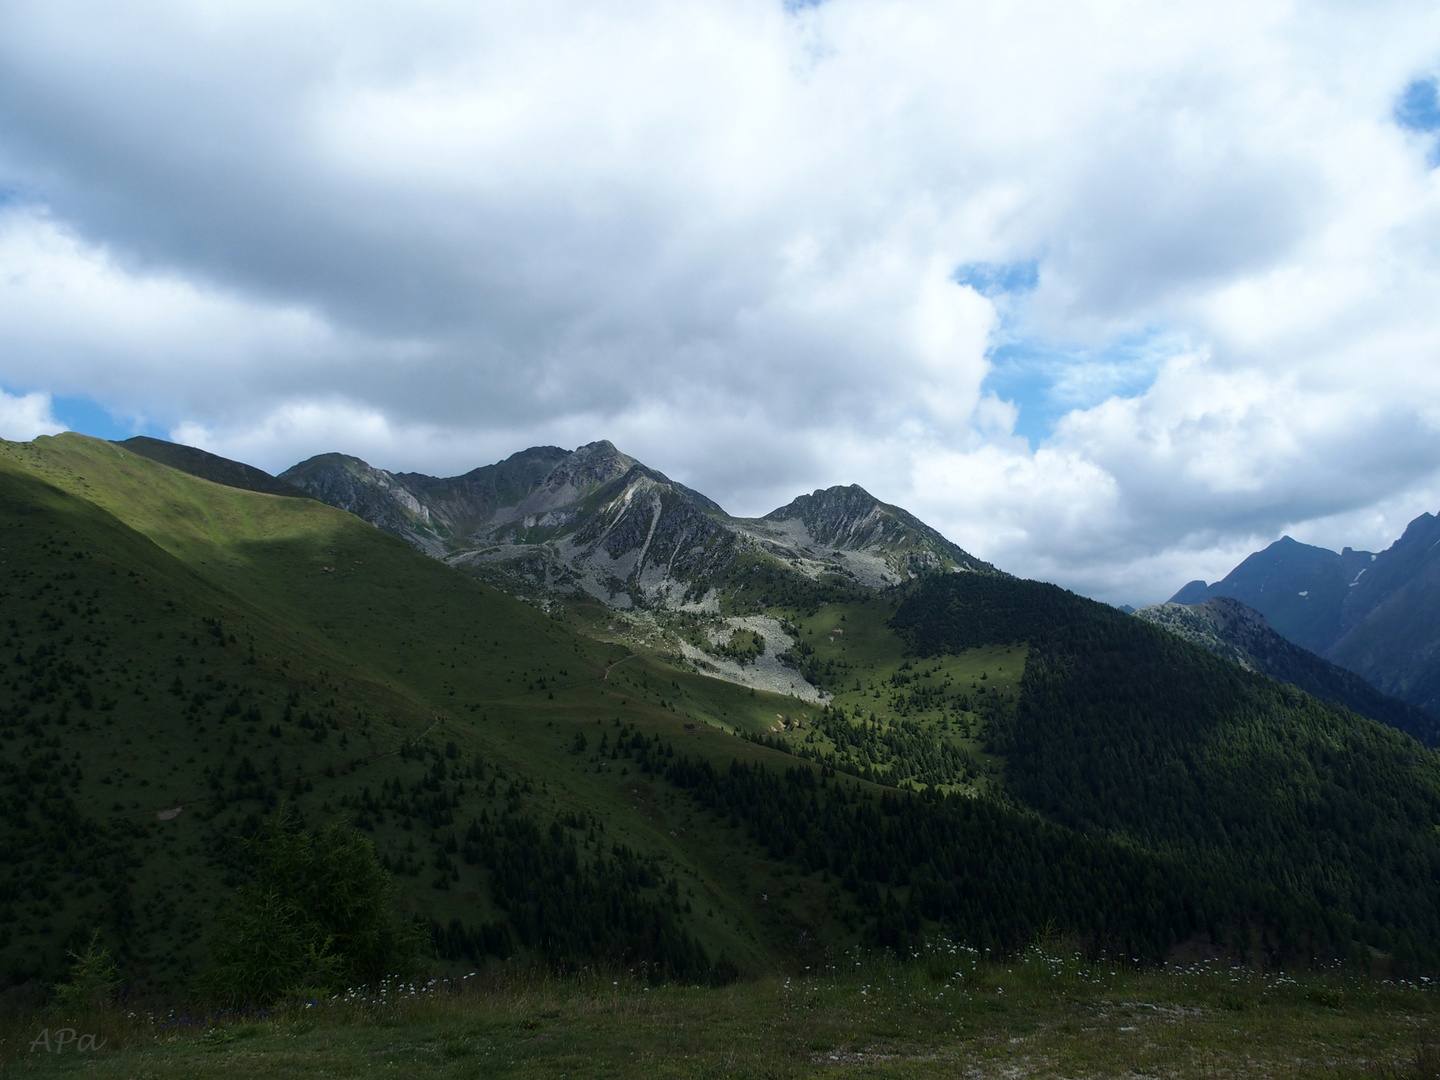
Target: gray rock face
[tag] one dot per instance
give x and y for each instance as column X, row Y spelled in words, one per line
column 596, row 520
column 1241, row 634
column 873, row 542
column 373, row 494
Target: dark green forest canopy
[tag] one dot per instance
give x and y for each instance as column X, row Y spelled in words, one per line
column 1123, row 729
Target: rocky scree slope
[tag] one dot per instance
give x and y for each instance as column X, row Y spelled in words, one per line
column 1239, row 633
column 547, row 521
column 1377, row 614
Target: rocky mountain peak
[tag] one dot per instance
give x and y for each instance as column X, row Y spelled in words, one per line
column 595, row 463
column 848, row 518
column 849, row 499
column 598, row 520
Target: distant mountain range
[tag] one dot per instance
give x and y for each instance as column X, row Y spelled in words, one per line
column 597, row 521
column 1375, row 613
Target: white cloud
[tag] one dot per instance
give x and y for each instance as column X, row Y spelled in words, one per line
column 723, row 235
column 77, row 320
column 25, row 416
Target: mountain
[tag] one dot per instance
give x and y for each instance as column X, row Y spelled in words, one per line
column 181, row 656
column 599, row 522
column 1241, row 634
column 1377, row 614
column 1391, row 630
column 1301, row 589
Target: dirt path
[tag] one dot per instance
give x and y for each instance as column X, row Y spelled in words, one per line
column 606, row 677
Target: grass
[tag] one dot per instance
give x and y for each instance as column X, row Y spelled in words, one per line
column 933, row 702
column 942, row 1014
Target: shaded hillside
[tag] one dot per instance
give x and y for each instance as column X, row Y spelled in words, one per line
column 1122, row 728
column 1239, row 633
column 1391, row 628
column 210, row 466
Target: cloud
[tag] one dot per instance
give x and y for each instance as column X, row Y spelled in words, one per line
column 24, row 417
column 1105, row 290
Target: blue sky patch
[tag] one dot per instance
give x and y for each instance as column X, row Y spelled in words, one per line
column 85, row 416
column 1046, row 380
column 1419, row 110
column 997, row 279
column 1419, row 107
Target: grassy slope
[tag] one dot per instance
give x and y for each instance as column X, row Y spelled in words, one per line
column 1036, row 1016
column 875, row 680
column 386, row 646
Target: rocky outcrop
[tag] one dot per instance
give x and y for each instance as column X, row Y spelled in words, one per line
column 873, row 542
column 373, row 494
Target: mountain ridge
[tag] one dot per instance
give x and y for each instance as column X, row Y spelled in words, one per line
column 597, row 521
column 212, row 467
column 1240, row 633
column 1374, row 613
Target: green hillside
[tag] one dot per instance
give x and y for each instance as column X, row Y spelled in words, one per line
column 181, row 658
column 1331, row 821
column 214, row 649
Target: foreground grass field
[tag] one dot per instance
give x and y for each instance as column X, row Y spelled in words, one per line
column 944, row 1014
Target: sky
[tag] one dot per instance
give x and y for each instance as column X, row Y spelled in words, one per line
column 1111, row 294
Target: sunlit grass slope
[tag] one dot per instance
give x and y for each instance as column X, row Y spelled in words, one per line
column 893, row 717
